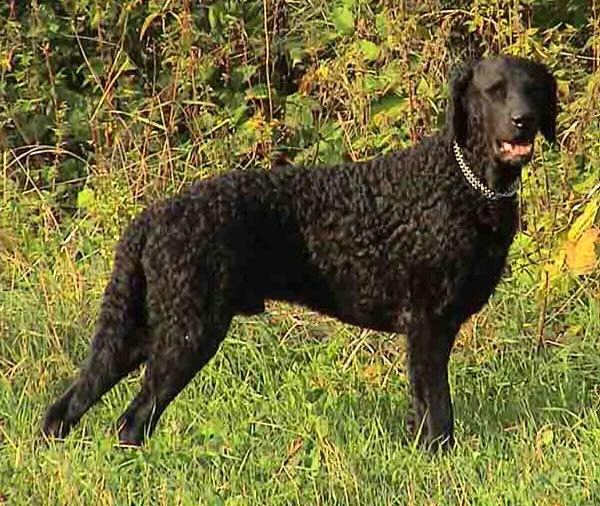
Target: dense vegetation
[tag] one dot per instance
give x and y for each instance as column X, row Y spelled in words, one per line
column 106, row 106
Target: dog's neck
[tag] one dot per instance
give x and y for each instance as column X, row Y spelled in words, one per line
column 494, row 175
column 500, row 215
column 476, row 182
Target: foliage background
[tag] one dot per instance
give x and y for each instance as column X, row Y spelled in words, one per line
column 106, row 106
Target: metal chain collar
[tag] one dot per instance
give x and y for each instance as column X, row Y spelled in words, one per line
column 476, row 183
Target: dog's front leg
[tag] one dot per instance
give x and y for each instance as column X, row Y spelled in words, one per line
column 429, row 345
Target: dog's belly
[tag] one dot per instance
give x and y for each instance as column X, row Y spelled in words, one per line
column 379, row 319
column 350, row 301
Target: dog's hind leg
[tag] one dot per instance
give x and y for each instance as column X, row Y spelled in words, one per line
column 178, row 353
column 118, row 347
column 103, row 369
column 108, row 362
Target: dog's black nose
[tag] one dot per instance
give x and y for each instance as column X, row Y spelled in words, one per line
column 522, row 120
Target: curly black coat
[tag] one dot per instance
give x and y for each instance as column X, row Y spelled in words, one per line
column 402, row 243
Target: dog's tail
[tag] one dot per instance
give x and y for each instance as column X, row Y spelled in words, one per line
column 115, row 348
column 123, row 309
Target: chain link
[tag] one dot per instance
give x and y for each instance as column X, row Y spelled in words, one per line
column 476, row 183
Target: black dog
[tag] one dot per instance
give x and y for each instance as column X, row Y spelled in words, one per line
column 414, row 242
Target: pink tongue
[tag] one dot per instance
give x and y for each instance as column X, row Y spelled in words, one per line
column 516, row 149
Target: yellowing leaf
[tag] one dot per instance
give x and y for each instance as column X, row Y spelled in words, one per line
column 563, row 88
column 148, row 22
column 587, row 184
column 581, row 253
column 585, row 220
column 547, row 437
column 574, row 331
column 372, row 373
column 7, row 242
column 553, row 267
column 544, row 438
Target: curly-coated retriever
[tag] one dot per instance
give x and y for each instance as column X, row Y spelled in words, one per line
column 414, row 242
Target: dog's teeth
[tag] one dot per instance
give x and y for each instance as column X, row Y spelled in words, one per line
column 515, row 149
column 522, row 149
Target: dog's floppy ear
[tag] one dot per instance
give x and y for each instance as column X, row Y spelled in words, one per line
column 550, row 110
column 457, row 114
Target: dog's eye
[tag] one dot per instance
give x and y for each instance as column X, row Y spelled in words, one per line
column 497, row 90
column 535, row 91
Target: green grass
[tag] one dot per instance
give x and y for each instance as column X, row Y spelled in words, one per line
column 296, row 408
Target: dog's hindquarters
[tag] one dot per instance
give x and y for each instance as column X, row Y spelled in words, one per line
column 119, row 344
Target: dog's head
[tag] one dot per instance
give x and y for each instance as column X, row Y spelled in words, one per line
column 506, row 99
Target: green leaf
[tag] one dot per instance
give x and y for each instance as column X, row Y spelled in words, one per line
column 382, row 24
column 296, row 52
column 322, row 427
column 389, row 104
column 245, row 72
column 423, row 88
column 299, row 111
column 588, row 183
column 315, row 461
column 257, row 92
column 343, row 19
column 85, row 198
column 215, row 16
column 369, row 49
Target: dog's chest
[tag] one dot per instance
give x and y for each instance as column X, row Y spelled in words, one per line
column 485, row 268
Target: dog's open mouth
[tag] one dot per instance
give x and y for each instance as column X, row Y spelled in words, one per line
column 515, row 151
